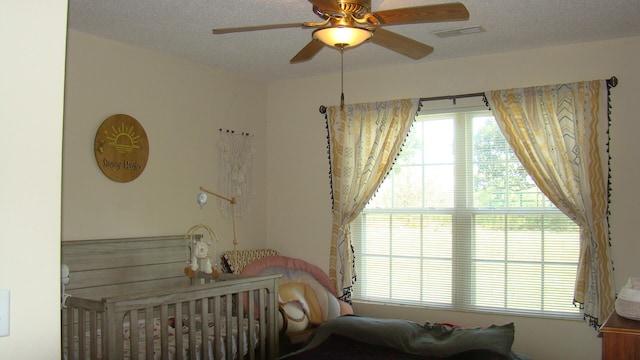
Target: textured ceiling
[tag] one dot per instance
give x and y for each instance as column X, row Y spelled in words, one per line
column 183, row 28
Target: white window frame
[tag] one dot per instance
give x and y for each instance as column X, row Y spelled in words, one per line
column 461, row 300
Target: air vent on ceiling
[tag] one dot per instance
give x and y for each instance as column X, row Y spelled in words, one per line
column 459, row 31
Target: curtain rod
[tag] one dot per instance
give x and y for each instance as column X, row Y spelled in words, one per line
column 452, row 97
column 233, row 132
column 323, row 109
column 611, row 83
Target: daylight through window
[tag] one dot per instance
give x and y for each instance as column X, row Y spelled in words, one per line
column 459, row 224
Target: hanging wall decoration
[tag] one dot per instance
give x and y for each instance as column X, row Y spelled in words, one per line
column 121, row 148
column 235, row 171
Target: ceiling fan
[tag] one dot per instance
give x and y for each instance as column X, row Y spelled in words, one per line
column 349, row 23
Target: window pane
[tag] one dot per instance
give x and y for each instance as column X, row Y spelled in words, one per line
column 523, row 286
column 458, row 223
column 377, row 234
column 378, row 280
column 438, row 141
column 437, row 239
column 404, row 286
column 525, row 238
column 407, row 187
column 490, row 284
column 406, row 233
column 558, row 288
column 490, row 237
column 439, row 186
column 437, row 281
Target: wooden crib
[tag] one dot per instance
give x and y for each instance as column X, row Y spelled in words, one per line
column 110, row 315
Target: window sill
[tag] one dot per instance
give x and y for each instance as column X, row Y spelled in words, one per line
column 405, row 308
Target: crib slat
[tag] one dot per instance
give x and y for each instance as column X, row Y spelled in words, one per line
column 70, row 333
column 229, row 323
column 93, row 334
column 240, row 339
column 274, row 345
column 82, row 344
column 164, row 331
column 112, row 337
column 204, row 332
column 251, row 329
column 263, row 326
column 211, row 328
column 148, row 332
column 192, row 330
column 179, row 343
column 133, row 335
column 217, row 331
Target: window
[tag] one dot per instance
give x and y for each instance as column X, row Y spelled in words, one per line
column 459, row 224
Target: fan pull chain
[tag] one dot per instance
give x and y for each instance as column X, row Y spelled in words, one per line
column 341, row 78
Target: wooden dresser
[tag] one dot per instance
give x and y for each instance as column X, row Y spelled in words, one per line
column 620, row 338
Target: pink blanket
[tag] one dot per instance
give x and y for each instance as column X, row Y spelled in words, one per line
column 295, row 270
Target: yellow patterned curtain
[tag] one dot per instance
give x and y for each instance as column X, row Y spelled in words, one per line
column 364, row 140
column 553, row 130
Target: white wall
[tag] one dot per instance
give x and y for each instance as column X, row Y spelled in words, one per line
column 299, row 205
column 32, row 35
column 181, row 105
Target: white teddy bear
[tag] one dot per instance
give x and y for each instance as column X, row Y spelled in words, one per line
column 201, row 251
column 200, row 258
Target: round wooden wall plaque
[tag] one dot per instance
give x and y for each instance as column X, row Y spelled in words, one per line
column 121, row 148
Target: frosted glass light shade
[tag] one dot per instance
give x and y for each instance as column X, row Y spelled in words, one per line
column 342, row 36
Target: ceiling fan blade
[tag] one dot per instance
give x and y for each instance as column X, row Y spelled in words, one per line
column 423, row 14
column 307, row 52
column 259, row 27
column 326, row 5
column 401, row 44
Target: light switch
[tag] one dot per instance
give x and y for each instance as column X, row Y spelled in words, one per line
column 4, row 313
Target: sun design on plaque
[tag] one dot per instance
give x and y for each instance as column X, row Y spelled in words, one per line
column 121, row 148
column 124, row 139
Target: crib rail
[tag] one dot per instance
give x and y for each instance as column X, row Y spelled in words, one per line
column 82, row 323
column 209, row 321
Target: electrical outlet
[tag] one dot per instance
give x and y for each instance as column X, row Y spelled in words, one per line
column 4, row 313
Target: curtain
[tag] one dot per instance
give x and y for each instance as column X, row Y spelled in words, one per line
column 364, row 140
column 554, row 131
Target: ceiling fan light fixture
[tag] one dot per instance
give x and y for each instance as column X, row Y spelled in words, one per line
column 342, row 36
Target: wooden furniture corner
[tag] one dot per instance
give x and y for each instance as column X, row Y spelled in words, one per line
column 620, row 338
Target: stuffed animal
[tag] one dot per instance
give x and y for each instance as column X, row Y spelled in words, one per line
column 64, row 281
column 200, row 258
